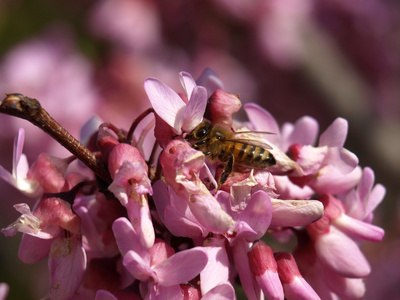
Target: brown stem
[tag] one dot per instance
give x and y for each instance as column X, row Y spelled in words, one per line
column 137, row 121
column 30, row 109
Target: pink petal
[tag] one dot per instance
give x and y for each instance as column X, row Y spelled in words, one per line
column 288, row 190
column 165, row 101
column 217, row 268
column 335, row 135
column 345, row 288
column 247, row 279
column 331, row 181
column 33, row 249
column 18, row 146
column 67, row 263
column 195, row 109
column 127, row 238
column 300, row 289
column 210, row 80
column 90, row 127
column 359, row 229
column 304, row 132
column 366, row 183
column 290, row 213
column 262, row 120
column 375, row 197
column 221, row 291
column 156, row 291
column 89, row 230
column 138, row 266
column 139, row 214
column 294, row 285
column 181, row 226
column 187, row 82
column 209, row 213
column 258, row 213
column 340, row 253
column 181, row 267
column 160, row 252
column 270, row 285
column 123, row 153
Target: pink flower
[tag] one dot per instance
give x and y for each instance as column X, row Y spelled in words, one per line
column 18, row 177
column 180, row 114
column 265, row 269
column 160, row 226
column 44, row 236
column 293, row 283
column 181, row 165
column 131, row 186
column 158, row 268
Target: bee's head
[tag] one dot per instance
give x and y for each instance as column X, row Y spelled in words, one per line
column 200, row 132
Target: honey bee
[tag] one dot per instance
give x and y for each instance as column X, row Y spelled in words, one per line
column 218, row 142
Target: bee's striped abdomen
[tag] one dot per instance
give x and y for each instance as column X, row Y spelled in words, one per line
column 252, row 156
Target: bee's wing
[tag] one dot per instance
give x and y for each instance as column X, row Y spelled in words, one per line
column 253, row 132
column 249, row 141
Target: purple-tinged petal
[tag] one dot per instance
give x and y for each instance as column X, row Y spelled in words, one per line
column 166, row 102
column 67, row 263
column 20, row 167
column 33, row 249
column 375, row 197
column 90, row 127
column 210, row 80
column 138, row 266
column 335, row 135
column 127, row 238
column 262, row 120
column 223, row 291
column 366, row 183
column 187, row 82
column 174, row 211
column 181, row 226
column 290, row 213
column 181, row 267
column 195, row 109
column 209, row 213
column 18, row 146
column 257, row 213
column 359, row 229
column 340, row 253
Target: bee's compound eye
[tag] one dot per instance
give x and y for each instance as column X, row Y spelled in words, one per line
column 201, row 133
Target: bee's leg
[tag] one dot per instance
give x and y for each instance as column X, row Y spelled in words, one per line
column 226, row 172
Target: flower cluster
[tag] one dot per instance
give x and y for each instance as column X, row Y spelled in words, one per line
column 164, row 228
